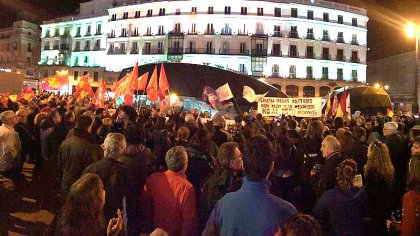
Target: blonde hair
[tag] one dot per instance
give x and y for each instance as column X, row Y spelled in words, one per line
column 112, row 145
column 107, row 122
column 379, row 165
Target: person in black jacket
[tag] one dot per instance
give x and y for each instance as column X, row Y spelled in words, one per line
column 330, row 149
column 26, row 137
column 113, row 173
column 358, row 149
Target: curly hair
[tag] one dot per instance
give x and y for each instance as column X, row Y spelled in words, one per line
column 83, row 211
column 302, row 224
column 112, row 145
column 346, row 171
column 379, row 165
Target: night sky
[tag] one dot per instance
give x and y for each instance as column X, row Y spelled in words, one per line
column 385, row 28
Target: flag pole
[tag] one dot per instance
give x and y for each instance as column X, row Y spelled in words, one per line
column 237, row 108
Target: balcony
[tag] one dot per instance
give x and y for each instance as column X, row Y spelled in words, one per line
column 134, row 51
column 326, row 57
column 242, row 33
column 354, row 42
column 324, row 77
column 233, row 52
column 116, row 51
column 276, row 53
column 340, row 78
column 97, row 48
column 294, row 54
column 76, row 49
column 310, row 36
column 56, row 34
column 175, row 51
column 294, row 35
column 277, row 34
column 78, row 35
column 192, row 33
column 340, row 58
column 176, row 33
column 340, row 40
column 226, row 32
column 259, row 52
column 135, row 35
column 275, row 74
column 355, row 79
column 355, row 60
column 111, row 36
column 124, row 35
column 98, row 33
column 45, row 48
column 88, row 34
column 209, row 32
column 56, row 47
column 160, row 33
column 87, row 48
column 310, row 55
column 326, row 38
column 47, row 35
column 152, row 51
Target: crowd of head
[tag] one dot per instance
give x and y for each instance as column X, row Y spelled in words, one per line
column 127, row 171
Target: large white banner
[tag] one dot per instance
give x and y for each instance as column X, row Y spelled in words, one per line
column 299, row 107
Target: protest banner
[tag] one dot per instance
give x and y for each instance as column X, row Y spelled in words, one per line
column 299, row 107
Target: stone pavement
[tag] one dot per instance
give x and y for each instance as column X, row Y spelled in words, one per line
column 36, row 204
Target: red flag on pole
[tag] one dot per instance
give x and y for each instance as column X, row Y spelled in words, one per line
column 83, row 89
column 334, row 106
column 152, row 87
column 99, row 99
column 142, row 81
column 134, row 75
column 163, row 80
column 27, row 93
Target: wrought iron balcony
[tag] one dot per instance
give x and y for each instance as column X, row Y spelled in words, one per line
column 259, row 52
column 294, row 35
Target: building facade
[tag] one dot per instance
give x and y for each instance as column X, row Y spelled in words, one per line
column 302, row 43
column 20, row 48
column 399, row 73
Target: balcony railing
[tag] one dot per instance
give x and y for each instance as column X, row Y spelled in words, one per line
column 64, row 46
column 111, row 35
column 134, row 51
column 147, row 51
column 233, row 52
column 209, row 32
column 275, row 74
column 354, row 42
column 340, row 58
column 116, row 52
column 339, row 77
column 226, row 32
column 135, row 35
column 355, row 60
column 124, row 35
column 88, row 34
column 277, row 34
column 326, row 38
column 276, row 53
column 354, row 79
column 340, row 40
column 310, row 55
column 310, row 36
column 326, row 57
column 97, row 48
column 259, row 52
column 76, row 49
column 45, row 48
column 192, row 33
column 98, row 33
column 175, row 51
column 56, row 47
column 294, row 54
column 86, row 48
column 78, row 35
column 294, row 35
column 324, row 77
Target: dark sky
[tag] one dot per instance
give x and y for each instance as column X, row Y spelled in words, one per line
column 385, row 28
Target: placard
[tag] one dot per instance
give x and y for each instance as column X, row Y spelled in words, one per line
column 299, row 107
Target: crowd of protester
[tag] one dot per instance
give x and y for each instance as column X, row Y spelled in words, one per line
column 122, row 171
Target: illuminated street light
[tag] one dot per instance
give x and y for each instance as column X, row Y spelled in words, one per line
column 377, row 86
column 386, row 87
column 410, row 30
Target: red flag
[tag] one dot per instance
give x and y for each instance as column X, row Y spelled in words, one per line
column 142, row 81
column 83, row 89
column 99, row 99
column 152, row 87
column 27, row 93
column 342, row 106
column 56, row 82
column 134, row 75
column 164, row 103
column 115, row 85
column 163, row 80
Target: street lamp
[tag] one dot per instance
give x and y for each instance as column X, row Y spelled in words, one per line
column 412, row 30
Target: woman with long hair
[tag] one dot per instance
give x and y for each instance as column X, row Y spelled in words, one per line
column 411, row 200
column 379, row 180
column 83, row 211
